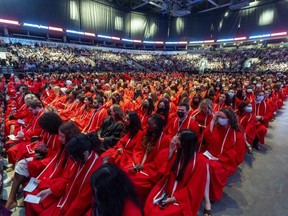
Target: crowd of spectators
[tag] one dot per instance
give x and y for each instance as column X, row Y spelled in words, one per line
column 44, row 58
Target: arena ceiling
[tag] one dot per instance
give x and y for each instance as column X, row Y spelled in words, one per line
column 178, row 8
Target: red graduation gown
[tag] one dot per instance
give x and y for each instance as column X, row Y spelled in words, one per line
column 189, row 191
column 248, row 125
column 154, row 163
column 229, row 146
column 127, row 144
column 76, row 200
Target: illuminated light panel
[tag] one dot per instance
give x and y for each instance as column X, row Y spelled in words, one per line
column 208, row 41
column 104, row 36
column 127, row 40
column 13, row 22
column 115, row 38
column 159, row 42
column 149, row 42
column 259, row 36
column 278, row 34
column 171, row 42
column 74, row 32
column 55, row 29
column 222, row 40
column 89, row 34
column 196, row 42
column 35, row 26
column 130, row 40
column 240, row 38
column 182, row 42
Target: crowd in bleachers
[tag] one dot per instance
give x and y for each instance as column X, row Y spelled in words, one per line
column 44, row 58
column 161, row 130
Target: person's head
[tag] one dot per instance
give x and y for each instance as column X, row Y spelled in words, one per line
column 116, row 112
column 245, row 107
column 206, row 106
column 148, row 105
column 98, row 102
column 187, row 145
column 79, row 148
column 35, row 106
column 163, row 106
column 222, row 98
column 111, row 189
column 182, row 110
column 227, row 117
column 155, row 123
column 28, row 98
column 133, row 123
column 259, row 95
column 50, row 122
column 67, row 131
column 231, row 93
column 116, row 98
column 88, row 101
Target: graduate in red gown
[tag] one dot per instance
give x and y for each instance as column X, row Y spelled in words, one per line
column 59, row 166
column 247, row 121
column 39, row 158
column 114, row 193
column 145, row 110
column 225, row 152
column 183, row 189
column 203, row 116
column 182, row 121
column 222, row 102
column 74, row 197
column 97, row 117
column 263, row 113
column 122, row 153
column 24, row 136
column 150, row 157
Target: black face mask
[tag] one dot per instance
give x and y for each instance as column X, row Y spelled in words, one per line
column 181, row 114
column 114, row 101
column 109, row 112
column 145, row 106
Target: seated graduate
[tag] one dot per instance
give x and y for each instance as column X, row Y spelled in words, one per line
column 74, row 192
column 122, row 153
column 181, row 192
column 114, row 193
column 48, row 178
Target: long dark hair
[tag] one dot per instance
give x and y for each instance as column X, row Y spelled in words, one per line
column 188, row 140
column 70, row 130
column 242, row 106
column 151, row 137
column 166, row 109
column 111, row 188
column 50, row 122
column 234, row 123
column 135, row 124
column 77, row 146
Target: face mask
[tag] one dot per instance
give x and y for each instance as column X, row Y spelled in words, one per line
column 249, row 90
column 181, row 114
column 254, row 82
column 145, row 105
column 258, row 85
column 222, row 121
column 217, row 88
column 109, row 112
column 231, row 94
column 260, row 98
column 248, row 109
